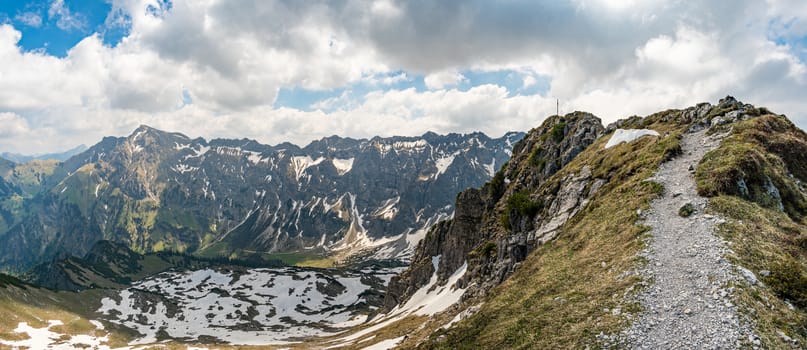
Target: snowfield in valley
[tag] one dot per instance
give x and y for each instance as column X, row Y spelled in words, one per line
column 247, row 306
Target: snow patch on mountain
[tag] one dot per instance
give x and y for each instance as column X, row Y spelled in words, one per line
column 254, row 157
column 628, row 135
column 443, row 163
column 410, row 146
column 46, row 338
column 357, row 240
column 198, row 152
column 343, row 166
column 183, row 168
column 388, row 210
column 300, row 163
column 491, row 168
column 428, row 300
column 138, row 134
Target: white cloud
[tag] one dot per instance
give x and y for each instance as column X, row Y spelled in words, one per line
column 439, row 80
column 65, row 19
column 690, row 67
column 528, row 81
column 387, row 79
column 231, row 59
column 31, row 19
column 12, row 125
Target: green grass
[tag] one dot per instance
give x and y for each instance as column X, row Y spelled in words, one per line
column 31, row 175
column 303, row 259
column 760, row 152
column 766, row 239
column 488, row 249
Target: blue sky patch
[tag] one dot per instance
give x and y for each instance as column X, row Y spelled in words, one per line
column 512, row 80
column 353, row 95
column 54, row 27
column 780, row 33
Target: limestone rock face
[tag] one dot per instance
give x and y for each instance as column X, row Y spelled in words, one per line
column 476, row 229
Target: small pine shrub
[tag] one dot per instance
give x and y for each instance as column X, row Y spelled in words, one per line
column 558, row 131
column 686, row 210
column 537, row 160
column 488, row 249
column 520, row 201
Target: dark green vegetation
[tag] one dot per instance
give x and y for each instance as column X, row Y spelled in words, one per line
column 756, row 181
column 686, row 210
column 111, row 265
column 521, row 202
column 558, row 131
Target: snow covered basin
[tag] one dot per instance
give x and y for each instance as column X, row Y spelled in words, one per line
column 246, row 306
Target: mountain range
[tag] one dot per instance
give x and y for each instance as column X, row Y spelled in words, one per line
column 61, row 156
column 160, row 191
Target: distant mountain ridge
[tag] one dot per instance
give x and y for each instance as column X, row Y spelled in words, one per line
column 156, row 190
column 60, row 156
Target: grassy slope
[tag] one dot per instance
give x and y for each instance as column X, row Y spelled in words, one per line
column 768, row 149
column 562, row 296
column 23, row 303
column 31, row 175
column 27, row 178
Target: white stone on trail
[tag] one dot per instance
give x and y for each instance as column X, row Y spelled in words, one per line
column 687, row 305
column 628, row 135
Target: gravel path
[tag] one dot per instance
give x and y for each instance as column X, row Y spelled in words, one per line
column 686, row 306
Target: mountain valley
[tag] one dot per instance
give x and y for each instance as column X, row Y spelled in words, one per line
column 568, row 244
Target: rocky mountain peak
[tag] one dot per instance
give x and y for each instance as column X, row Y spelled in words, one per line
column 146, row 136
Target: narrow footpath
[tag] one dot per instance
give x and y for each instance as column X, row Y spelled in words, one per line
column 686, row 305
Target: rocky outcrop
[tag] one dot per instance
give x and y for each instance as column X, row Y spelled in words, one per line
column 496, row 227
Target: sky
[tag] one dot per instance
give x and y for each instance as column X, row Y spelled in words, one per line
column 74, row 71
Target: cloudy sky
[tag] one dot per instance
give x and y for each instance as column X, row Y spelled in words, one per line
column 73, row 71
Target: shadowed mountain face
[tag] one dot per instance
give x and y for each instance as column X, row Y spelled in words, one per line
column 155, row 191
